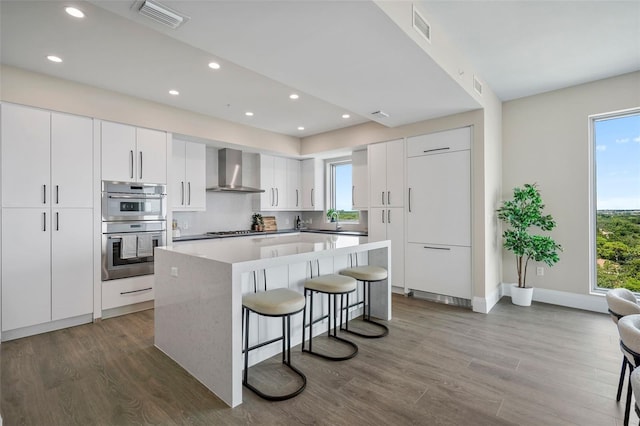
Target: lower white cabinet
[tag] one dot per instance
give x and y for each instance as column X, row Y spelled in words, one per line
column 47, row 265
column 440, row 269
column 127, row 291
column 388, row 224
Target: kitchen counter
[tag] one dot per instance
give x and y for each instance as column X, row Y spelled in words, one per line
column 197, row 237
column 199, row 288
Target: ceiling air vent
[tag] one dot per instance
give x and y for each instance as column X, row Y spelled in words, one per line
column 477, row 85
column 421, row 25
column 162, row 14
column 380, row 114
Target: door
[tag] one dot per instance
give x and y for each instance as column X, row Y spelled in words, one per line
column 71, row 263
column 280, row 182
column 377, row 174
column 395, row 173
column 377, row 224
column 268, row 197
column 151, row 157
column 360, row 179
column 293, row 184
column 26, row 142
column 118, row 152
column 71, row 161
column 178, row 179
column 26, row 267
column 395, row 233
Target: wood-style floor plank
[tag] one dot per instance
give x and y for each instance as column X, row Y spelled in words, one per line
column 440, row 365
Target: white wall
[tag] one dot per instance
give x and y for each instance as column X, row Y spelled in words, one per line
column 39, row 90
column 546, row 140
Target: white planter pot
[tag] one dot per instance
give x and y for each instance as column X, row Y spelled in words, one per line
column 521, row 296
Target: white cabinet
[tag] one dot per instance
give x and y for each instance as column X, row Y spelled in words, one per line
column 47, row 216
column 188, row 171
column 388, row 224
column 360, row 180
column 312, row 184
column 131, row 154
column 386, row 174
column 273, row 179
column 47, row 158
column 26, row 267
column 294, row 185
column 439, row 213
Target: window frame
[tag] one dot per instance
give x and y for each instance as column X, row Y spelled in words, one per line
column 331, row 189
column 593, row 195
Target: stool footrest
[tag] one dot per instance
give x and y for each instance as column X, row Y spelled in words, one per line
column 384, row 332
column 335, row 358
column 280, row 397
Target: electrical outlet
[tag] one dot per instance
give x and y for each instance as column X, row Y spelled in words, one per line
column 539, row 271
column 185, row 225
column 174, row 271
column 286, row 221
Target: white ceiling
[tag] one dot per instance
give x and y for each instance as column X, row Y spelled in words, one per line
column 339, row 56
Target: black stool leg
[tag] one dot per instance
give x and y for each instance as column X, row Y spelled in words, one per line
column 624, row 367
column 627, row 407
column 366, row 315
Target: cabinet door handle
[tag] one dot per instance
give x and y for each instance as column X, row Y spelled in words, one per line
column 389, row 198
column 353, row 195
column 182, row 193
column 57, row 194
column 383, row 198
column 140, row 164
column 189, row 199
column 382, row 216
column 388, row 216
column 312, row 203
column 437, row 149
column 297, row 198
column 277, row 197
column 44, row 221
column 57, row 221
column 437, row 248
column 44, row 194
column 131, row 162
column 409, row 200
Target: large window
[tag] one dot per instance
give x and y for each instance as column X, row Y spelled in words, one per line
column 340, row 190
column 616, row 142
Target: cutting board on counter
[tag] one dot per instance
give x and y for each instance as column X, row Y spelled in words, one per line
column 270, row 223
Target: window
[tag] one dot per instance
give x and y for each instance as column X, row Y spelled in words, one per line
column 340, row 190
column 616, row 148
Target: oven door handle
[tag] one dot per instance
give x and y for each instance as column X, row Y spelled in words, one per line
column 119, row 237
column 141, row 197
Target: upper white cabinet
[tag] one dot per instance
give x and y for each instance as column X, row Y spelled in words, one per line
column 273, row 179
column 312, row 184
column 386, row 174
column 131, row 154
column 188, row 183
column 439, row 213
column 360, row 180
column 47, row 158
column 294, row 184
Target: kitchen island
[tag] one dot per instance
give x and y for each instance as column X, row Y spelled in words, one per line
column 199, row 288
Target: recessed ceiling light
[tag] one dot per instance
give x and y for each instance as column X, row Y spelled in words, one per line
column 76, row 13
column 53, row 58
column 248, row 114
column 346, row 116
column 214, row 65
column 293, row 96
column 300, row 128
column 174, row 92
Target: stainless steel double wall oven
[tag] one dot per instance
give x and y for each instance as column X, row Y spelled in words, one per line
column 134, row 222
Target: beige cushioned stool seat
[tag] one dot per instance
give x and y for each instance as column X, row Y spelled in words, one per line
column 366, row 273
column 277, row 302
column 331, row 283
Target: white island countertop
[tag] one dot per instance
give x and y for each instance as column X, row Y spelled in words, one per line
column 199, row 288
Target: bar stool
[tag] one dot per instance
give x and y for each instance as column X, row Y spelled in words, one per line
column 629, row 329
column 635, row 386
column 367, row 275
column 280, row 302
column 332, row 285
column 621, row 302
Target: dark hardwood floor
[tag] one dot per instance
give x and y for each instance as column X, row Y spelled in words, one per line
column 440, row 365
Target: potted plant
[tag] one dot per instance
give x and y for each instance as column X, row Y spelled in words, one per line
column 257, row 222
column 523, row 214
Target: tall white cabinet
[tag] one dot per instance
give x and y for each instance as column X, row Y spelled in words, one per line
column 439, row 213
column 47, row 216
column 386, row 199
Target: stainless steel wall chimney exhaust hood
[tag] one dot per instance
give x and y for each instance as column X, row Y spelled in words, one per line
column 230, row 173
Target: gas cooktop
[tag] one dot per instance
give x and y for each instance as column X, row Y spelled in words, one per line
column 234, row 233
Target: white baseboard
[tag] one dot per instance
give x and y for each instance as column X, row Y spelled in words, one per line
column 484, row 304
column 588, row 302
